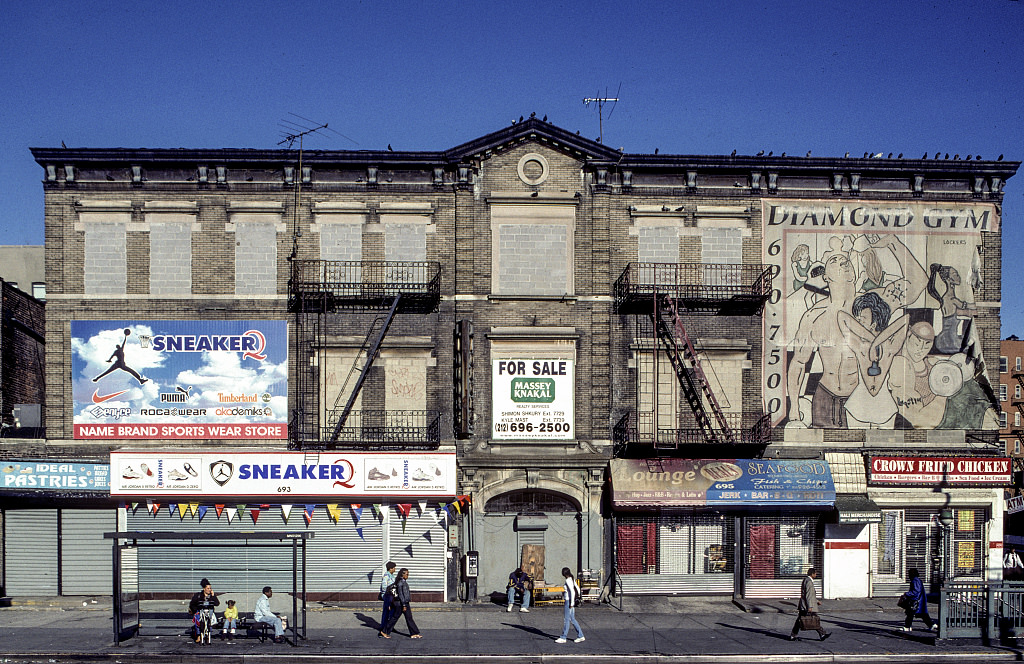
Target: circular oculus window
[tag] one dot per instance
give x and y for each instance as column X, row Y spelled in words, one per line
column 533, row 168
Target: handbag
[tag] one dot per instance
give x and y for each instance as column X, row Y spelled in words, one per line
column 904, row 602
column 810, row 621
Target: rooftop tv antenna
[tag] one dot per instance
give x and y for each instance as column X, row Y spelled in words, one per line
column 291, row 131
column 601, row 101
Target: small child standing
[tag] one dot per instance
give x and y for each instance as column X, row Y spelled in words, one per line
column 230, row 619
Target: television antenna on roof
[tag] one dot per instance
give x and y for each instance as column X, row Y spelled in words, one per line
column 601, row 101
column 291, row 131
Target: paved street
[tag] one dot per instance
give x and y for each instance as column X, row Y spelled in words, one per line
column 656, row 629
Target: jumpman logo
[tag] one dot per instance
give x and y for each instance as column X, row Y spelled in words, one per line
column 117, row 357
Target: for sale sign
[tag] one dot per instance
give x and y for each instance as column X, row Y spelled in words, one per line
column 533, row 398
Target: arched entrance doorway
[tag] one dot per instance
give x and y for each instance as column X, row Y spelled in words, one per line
column 527, row 517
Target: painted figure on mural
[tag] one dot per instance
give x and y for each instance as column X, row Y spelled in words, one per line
column 866, row 353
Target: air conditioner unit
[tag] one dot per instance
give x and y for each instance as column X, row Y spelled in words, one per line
column 28, row 415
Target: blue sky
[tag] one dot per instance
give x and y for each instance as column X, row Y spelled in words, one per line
column 693, row 78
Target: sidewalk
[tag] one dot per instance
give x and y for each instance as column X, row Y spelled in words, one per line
column 648, row 629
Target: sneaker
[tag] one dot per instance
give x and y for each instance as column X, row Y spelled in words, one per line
column 375, row 474
column 176, row 476
column 905, row 629
column 792, row 638
column 420, row 476
column 508, row 609
column 190, row 470
column 934, row 627
column 559, row 640
column 145, row 469
column 580, row 639
column 130, row 474
column 824, row 636
column 524, row 610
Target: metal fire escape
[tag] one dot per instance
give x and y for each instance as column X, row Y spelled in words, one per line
column 664, row 294
column 335, row 298
column 1018, row 403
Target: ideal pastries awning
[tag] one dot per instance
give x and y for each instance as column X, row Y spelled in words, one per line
column 721, row 483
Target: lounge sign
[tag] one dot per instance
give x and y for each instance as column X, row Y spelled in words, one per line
column 721, row 482
column 930, row 471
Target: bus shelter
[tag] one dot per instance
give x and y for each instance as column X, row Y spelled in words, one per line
column 128, row 565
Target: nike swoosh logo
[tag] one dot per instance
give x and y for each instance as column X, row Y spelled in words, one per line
column 96, row 398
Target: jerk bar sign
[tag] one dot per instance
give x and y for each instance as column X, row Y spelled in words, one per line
column 928, row 471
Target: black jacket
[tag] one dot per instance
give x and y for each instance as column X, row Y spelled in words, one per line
column 200, row 601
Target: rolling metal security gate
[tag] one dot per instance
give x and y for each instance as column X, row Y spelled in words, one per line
column 779, row 549
column 85, row 554
column 30, row 552
column 675, row 554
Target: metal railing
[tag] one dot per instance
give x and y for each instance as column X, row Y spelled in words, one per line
column 385, row 429
column 711, row 282
column 367, row 282
column 641, row 429
column 990, row 610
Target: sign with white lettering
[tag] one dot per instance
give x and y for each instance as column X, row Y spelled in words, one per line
column 930, row 471
column 532, row 399
column 54, row 475
column 871, row 320
column 179, row 379
column 283, row 474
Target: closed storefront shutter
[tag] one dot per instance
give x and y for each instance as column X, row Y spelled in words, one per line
column 30, row 552
column 85, row 555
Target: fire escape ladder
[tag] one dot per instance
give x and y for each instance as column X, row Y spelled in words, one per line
column 670, row 337
column 1020, row 379
column 371, row 355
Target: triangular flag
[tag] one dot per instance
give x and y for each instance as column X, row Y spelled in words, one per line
column 356, row 506
column 423, row 507
column 286, row 511
column 426, row 534
column 403, row 509
column 230, row 511
column 202, row 512
column 359, row 531
column 220, row 508
column 241, row 510
column 255, row 514
column 307, row 514
column 358, row 512
column 149, row 506
column 170, row 508
column 334, row 511
column 376, row 509
column 135, row 506
column 408, row 550
column 182, row 510
column 192, row 508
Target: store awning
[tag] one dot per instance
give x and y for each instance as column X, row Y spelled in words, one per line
column 857, row 508
column 721, row 483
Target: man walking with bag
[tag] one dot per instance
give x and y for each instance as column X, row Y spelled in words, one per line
column 808, row 617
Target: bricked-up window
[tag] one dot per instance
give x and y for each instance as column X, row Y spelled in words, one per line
column 532, row 249
column 105, row 225
column 255, row 225
column 170, row 224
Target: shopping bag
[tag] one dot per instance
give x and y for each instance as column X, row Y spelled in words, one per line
column 904, row 602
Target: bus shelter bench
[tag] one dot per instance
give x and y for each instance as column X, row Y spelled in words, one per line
column 248, row 626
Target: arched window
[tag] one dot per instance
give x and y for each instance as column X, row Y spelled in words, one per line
column 531, row 501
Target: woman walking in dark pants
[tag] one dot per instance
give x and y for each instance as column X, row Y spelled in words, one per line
column 403, row 608
column 917, row 604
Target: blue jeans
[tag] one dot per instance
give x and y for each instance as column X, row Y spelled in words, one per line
column 512, row 597
column 276, row 622
column 385, row 612
column 570, row 619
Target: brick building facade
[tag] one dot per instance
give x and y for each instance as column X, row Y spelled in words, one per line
column 688, row 374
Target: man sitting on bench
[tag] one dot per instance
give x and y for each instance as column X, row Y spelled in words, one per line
column 519, row 582
column 263, row 614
